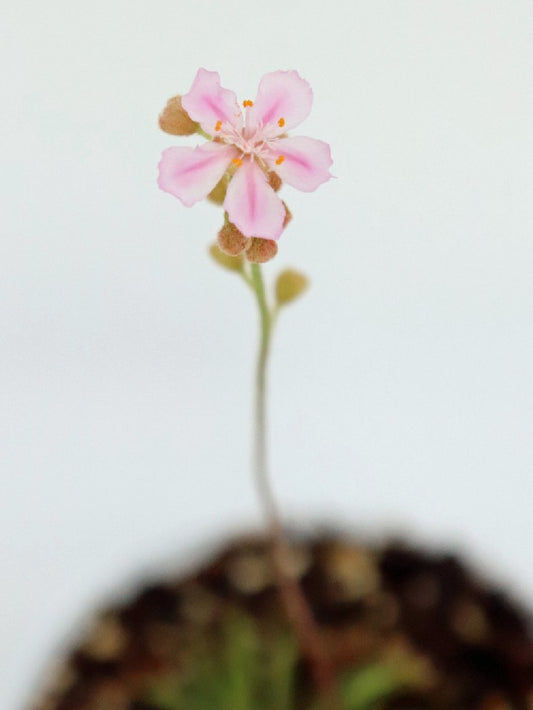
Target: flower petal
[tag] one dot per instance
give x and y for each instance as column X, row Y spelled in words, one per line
column 208, row 103
column 283, row 101
column 191, row 173
column 301, row 162
column 252, row 205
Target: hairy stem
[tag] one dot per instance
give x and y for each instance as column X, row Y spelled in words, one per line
column 294, row 601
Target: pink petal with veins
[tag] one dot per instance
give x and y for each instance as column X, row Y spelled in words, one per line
column 191, row 173
column 301, row 162
column 283, row 101
column 208, row 103
column 252, row 205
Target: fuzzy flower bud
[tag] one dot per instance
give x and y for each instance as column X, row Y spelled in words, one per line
column 289, row 285
column 175, row 120
column 232, row 263
column 260, row 251
column 274, row 180
column 288, row 216
column 231, row 241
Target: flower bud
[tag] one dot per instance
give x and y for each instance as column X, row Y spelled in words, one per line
column 218, row 193
column 231, row 241
column 233, row 263
column 175, row 120
column 274, row 180
column 289, row 285
column 260, row 250
column 288, row 216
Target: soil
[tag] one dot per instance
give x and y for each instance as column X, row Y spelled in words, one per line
column 406, row 629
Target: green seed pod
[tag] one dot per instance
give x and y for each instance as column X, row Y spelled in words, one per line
column 232, row 263
column 289, row 285
column 218, row 193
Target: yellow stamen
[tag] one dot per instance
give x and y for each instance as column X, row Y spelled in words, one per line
column 281, row 122
column 218, row 125
column 280, row 159
column 237, row 162
column 247, row 103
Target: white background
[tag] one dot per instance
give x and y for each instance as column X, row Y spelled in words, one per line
column 402, row 385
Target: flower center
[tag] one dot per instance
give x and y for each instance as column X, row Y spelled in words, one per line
column 255, row 142
column 246, row 141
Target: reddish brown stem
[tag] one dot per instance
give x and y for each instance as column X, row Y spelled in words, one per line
column 303, row 622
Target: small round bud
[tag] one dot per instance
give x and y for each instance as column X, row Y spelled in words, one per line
column 260, row 251
column 274, row 180
column 288, row 216
column 175, row 120
column 218, row 193
column 289, row 285
column 233, row 263
column 231, row 241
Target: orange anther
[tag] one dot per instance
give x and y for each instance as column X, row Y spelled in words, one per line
column 281, row 122
column 247, row 103
column 237, row 162
column 218, row 125
column 280, row 159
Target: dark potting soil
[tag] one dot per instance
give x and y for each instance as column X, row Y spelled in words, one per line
column 405, row 629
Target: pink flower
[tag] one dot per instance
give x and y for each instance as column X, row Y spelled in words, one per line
column 249, row 146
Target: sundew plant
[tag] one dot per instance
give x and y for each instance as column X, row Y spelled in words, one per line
column 246, row 157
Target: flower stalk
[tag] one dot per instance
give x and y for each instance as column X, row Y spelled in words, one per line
column 296, row 607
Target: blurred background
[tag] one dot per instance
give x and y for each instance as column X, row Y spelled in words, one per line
column 401, row 384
